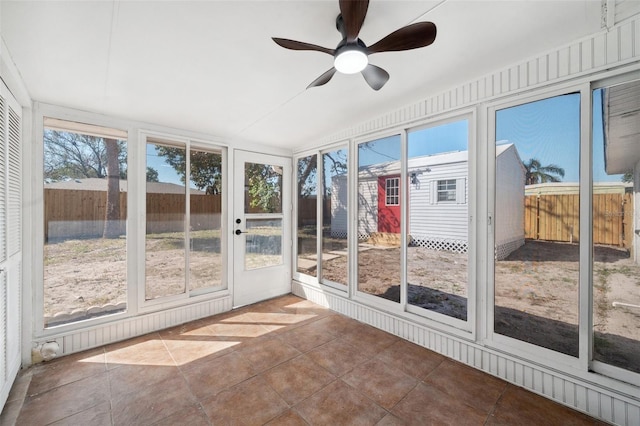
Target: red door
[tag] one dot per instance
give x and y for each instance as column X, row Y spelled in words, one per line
column 389, row 204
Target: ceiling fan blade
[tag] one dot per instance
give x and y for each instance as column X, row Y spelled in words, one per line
column 323, row 79
column 353, row 13
column 375, row 76
column 299, row 45
column 412, row 36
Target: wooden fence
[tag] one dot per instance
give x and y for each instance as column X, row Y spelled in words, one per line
column 307, row 210
column 555, row 217
column 81, row 214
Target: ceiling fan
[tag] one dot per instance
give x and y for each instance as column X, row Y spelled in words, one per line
column 352, row 55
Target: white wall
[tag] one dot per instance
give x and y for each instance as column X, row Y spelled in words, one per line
column 433, row 220
column 509, row 211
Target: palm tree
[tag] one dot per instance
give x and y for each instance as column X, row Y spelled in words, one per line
column 537, row 173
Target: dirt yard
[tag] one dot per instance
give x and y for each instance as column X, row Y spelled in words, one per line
column 536, row 293
column 536, row 287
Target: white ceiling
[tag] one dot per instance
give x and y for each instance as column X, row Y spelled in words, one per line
column 211, row 66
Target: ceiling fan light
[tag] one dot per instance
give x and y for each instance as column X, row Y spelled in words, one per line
column 351, row 61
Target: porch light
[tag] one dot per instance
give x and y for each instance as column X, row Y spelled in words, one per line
column 351, row 60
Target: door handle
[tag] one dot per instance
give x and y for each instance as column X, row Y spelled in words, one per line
column 238, row 232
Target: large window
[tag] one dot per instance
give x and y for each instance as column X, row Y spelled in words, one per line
column 307, row 261
column 85, row 214
column 379, row 224
column 438, row 244
column 183, row 250
column 335, row 199
column 616, row 258
column 537, row 200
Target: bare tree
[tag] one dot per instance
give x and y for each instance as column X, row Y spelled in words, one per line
column 112, row 213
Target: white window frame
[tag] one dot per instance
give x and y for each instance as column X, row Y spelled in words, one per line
column 395, row 195
column 135, row 222
column 447, row 191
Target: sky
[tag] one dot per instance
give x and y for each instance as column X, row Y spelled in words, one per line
column 166, row 172
column 548, row 130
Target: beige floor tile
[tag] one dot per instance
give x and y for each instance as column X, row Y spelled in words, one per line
column 340, row 404
column 307, row 337
column 267, row 353
column 131, row 378
column 382, row 383
column 297, row 379
column 64, row 401
column 191, row 416
column 100, row 415
column 288, row 418
column 206, row 379
column 66, row 370
column 426, row 405
column 467, row 384
column 411, row 358
column 337, row 356
column 153, row 403
column 145, row 350
column 252, row 402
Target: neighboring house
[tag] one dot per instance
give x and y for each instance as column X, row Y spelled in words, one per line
column 621, row 125
column 438, row 201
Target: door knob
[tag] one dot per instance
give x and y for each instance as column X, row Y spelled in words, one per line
column 238, row 232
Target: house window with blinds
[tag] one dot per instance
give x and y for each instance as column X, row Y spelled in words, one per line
column 447, row 190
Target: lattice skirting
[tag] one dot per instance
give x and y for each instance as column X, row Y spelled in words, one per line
column 442, row 244
column 505, row 249
column 363, row 236
column 338, row 233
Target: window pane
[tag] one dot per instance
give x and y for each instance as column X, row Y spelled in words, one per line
column 165, row 226
column 264, row 243
column 536, row 223
column 335, row 199
column 437, row 254
column 85, row 212
column 616, row 260
column 378, row 224
column 308, row 215
column 205, row 203
column 263, row 188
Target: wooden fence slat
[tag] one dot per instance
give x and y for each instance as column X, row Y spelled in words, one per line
column 81, row 213
column 556, row 217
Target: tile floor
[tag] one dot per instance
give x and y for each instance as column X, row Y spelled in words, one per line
column 285, row 361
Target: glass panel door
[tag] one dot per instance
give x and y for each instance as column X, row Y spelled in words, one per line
column 537, row 201
column 262, row 236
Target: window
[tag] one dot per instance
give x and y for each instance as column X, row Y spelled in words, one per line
column 446, row 190
column 183, row 250
column 335, row 199
column 615, row 263
column 437, row 249
column 307, row 261
column 85, row 214
column 392, row 195
column 536, row 225
column 379, row 254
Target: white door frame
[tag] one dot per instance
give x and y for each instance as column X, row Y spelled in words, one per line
column 261, row 283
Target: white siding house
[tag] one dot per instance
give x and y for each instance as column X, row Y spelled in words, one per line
column 439, row 223
column 509, row 209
